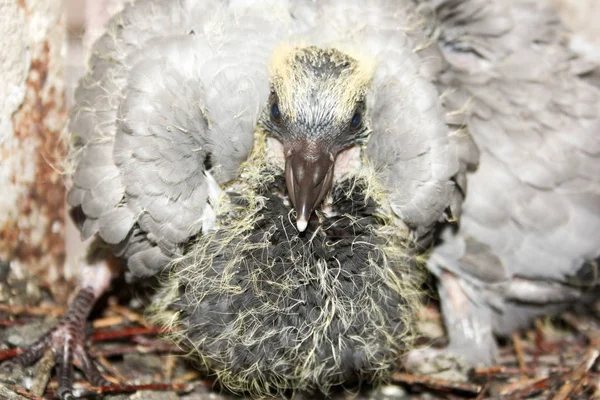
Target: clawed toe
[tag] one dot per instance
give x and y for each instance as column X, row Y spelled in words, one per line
column 444, row 363
column 67, row 342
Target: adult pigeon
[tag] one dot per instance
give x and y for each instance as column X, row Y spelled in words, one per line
column 288, row 163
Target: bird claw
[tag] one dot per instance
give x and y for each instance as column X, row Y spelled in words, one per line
column 445, row 363
column 67, row 341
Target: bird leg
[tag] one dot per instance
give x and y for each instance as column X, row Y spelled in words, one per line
column 67, row 338
column 468, row 323
column 469, row 329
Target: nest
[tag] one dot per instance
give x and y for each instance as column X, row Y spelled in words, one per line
column 269, row 310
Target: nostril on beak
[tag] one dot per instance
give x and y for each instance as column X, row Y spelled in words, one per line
column 309, row 176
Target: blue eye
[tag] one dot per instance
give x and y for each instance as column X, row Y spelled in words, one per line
column 275, row 113
column 355, row 120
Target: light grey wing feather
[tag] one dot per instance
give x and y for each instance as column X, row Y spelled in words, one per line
column 410, row 143
column 533, row 201
column 94, row 116
column 161, row 148
column 116, row 224
column 173, row 92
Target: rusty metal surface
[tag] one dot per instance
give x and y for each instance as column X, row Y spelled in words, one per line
column 31, row 234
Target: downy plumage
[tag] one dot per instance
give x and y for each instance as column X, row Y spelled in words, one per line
column 472, row 120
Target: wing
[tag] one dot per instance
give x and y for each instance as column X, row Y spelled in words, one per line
column 410, row 145
column 531, row 217
column 165, row 113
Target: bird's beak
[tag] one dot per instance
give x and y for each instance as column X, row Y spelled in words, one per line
column 309, row 176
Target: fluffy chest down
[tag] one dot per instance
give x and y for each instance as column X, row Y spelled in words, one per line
column 270, row 309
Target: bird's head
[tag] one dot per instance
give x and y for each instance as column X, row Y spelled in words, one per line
column 316, row 110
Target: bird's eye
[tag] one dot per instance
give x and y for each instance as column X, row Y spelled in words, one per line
column 275, row 113
column 355, row 120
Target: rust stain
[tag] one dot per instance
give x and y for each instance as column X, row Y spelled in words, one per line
column 22, row 4
column 36, row 238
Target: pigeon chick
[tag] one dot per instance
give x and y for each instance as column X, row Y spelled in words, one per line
column 162, row 123
column 270, row 309
column 270, row 301
column 461, row 129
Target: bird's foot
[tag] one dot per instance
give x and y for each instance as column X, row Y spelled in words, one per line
column 445, row 363
column 67, row 341
column 469, row 328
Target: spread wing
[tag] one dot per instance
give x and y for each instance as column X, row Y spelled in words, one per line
column 165, row 113
column 532, row 210
column 411, row 145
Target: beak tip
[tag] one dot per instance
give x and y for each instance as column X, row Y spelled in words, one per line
column 301, row 223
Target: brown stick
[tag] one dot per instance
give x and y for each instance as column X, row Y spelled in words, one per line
column 577, row 375
column 24, row 393
column 16, row 309
column 43, row 373
column 107, row 322
column 124, row 333
column 519, row 354
column 435, row 383
column 114, row 371
column 130, row 315
column 502, row 370
column 523, row 388
column 8, row 323
column 128, row 349
column 134, row 388
column 10, row 353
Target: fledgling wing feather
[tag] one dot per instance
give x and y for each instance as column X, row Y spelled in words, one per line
column 531, row 217
column 410, row 144
column 169, row 106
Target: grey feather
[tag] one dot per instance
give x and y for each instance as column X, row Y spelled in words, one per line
column 533, row 201
column 166, row 95
column 115, row 225
column 173, row 89
column 478, row 113
column 410, row 141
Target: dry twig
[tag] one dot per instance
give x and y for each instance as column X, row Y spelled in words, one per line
column 159, row 387
column 16, row 309
column 124, row 333
column 576, row 377
column 43, row 373
column 521, row 389
column 436, row 384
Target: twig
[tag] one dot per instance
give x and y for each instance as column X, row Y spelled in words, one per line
column 593, row 337
column 159, row 387
column 435, row 383
column 9, row 322
column 128, row 349
column 130, row 315
column 9, row 353
column 577, row 375
column 538, row 341
column 110, row 368
column 16, row 309
column 524, row 388
column 108, row 322
column 9, row 394
column 188, row 377
column 24, row 393
column 43, row 373
column 169, row 367
column 502, row 370
column 484, row 391
column 124, row 333
column 519, row 354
